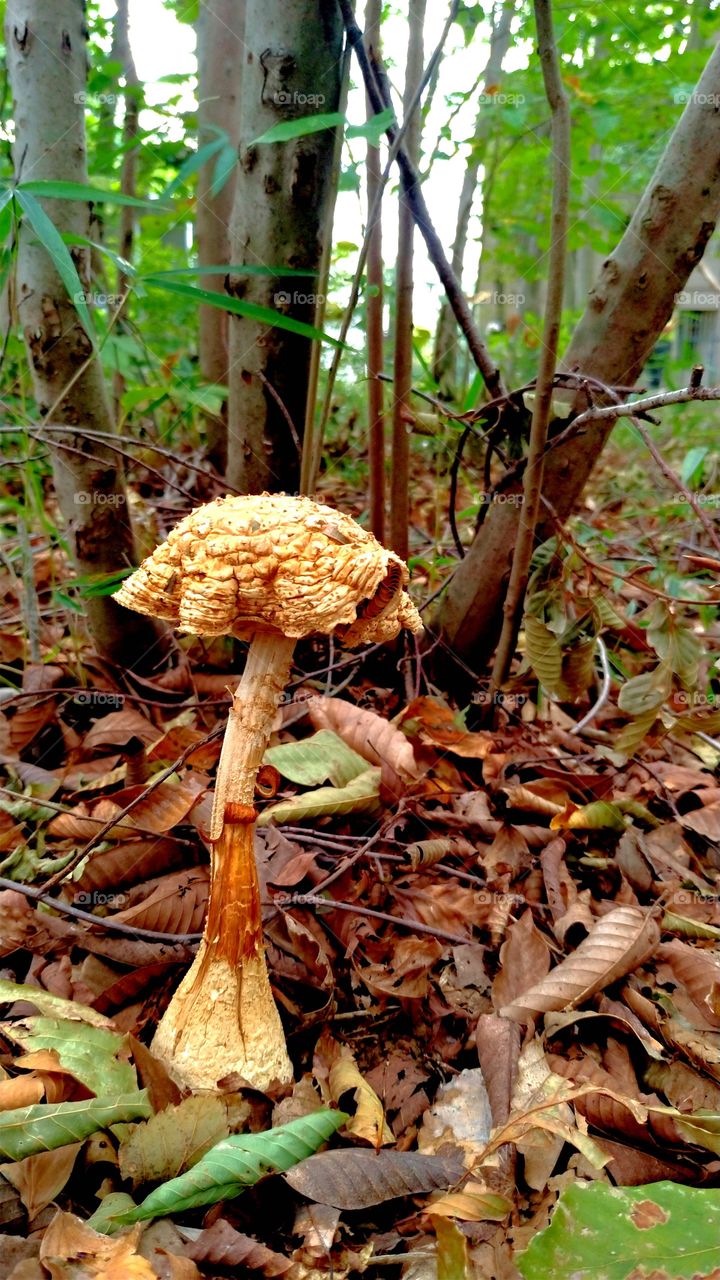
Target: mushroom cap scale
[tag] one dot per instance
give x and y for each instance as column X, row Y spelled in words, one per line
column 240, row 565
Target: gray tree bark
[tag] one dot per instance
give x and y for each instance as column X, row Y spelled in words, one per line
column 46, row 57
column 220, row 54
column 292, row 69
column 626, row 312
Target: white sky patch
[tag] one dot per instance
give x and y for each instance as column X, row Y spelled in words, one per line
column 163, row 46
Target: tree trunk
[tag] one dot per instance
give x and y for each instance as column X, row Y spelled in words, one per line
column 46, row 58
column 402, row 371
column 446, row 333
column 122, row 53
column 374, row 310
column 220, row 29
column 627, row 311
column 292, row 69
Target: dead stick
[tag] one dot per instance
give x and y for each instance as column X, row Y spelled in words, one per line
column 532, row 479
column 416, row 201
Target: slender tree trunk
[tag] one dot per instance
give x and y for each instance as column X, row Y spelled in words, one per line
column 220, row 53
column 446, row 334
column 627, row 311
column 402, row 379
column 292, row 69
column 46, row 56
column 374, row 310
column 122, row 53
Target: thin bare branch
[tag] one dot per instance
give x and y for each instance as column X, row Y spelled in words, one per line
column 532, row 479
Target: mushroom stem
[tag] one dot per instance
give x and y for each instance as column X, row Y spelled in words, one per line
column 222, row 1018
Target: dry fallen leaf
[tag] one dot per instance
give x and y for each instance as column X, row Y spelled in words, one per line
column 620, row 942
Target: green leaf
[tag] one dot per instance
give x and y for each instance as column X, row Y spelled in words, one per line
column 224, row 167
column 53, row 1006
column 236, row 1163
column 645, row 692
column 43, row 1127
column 300, row 128
column 193, row 163
column 50, row 237
column 323, row 757
column 599, row 815
column 374, row 128
column 632, row 734
column 692, row 468
column 264, row 315
column 614, row 1232
column 241, row 269
column 81, row 191
column 543, row 652
column 91, row 1053
column 173, row 1140
column 122, row 264
column 362, row 795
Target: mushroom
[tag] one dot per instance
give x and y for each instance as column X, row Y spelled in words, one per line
column 268, row 569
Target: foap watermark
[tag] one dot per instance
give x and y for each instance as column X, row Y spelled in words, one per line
column 483, row 698
column 284, row 98
column 285, row 298
column 85, row 498
column 101, row 898
column 702, row 499
column 502, row 499
column 697, row 299
column 96, row 698
column 84, row 99
column 683, row 698
column 94, row 299
column 498, row 298
column 682, row 97
column 502, row 99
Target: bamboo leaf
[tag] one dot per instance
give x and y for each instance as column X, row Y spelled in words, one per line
column 374, row 128
column 224, row 167
column 264, row 315
column 193, row 163
column 300, row 128
column 82, row 191
column 50, row 238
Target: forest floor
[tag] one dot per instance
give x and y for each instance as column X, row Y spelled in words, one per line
column 496, row 951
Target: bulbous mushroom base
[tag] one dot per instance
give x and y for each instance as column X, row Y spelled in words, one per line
column 199, row 1040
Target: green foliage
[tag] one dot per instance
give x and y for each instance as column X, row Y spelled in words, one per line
column 44, row 1126
column 235, row 1164
column 618, row 1232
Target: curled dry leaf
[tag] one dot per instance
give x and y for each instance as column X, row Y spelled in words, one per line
column 176, row 905
column 700, row 974
column 524, row 957
column 435, row 724
column 120, row 727
column 222, row 1246
column 40, row 1178
column 474, row 1202
column 372, row 737
column 368, row 1122
column 620, row 942
column 71, row 1250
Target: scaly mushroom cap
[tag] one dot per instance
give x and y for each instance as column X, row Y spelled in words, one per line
column 242, row 564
